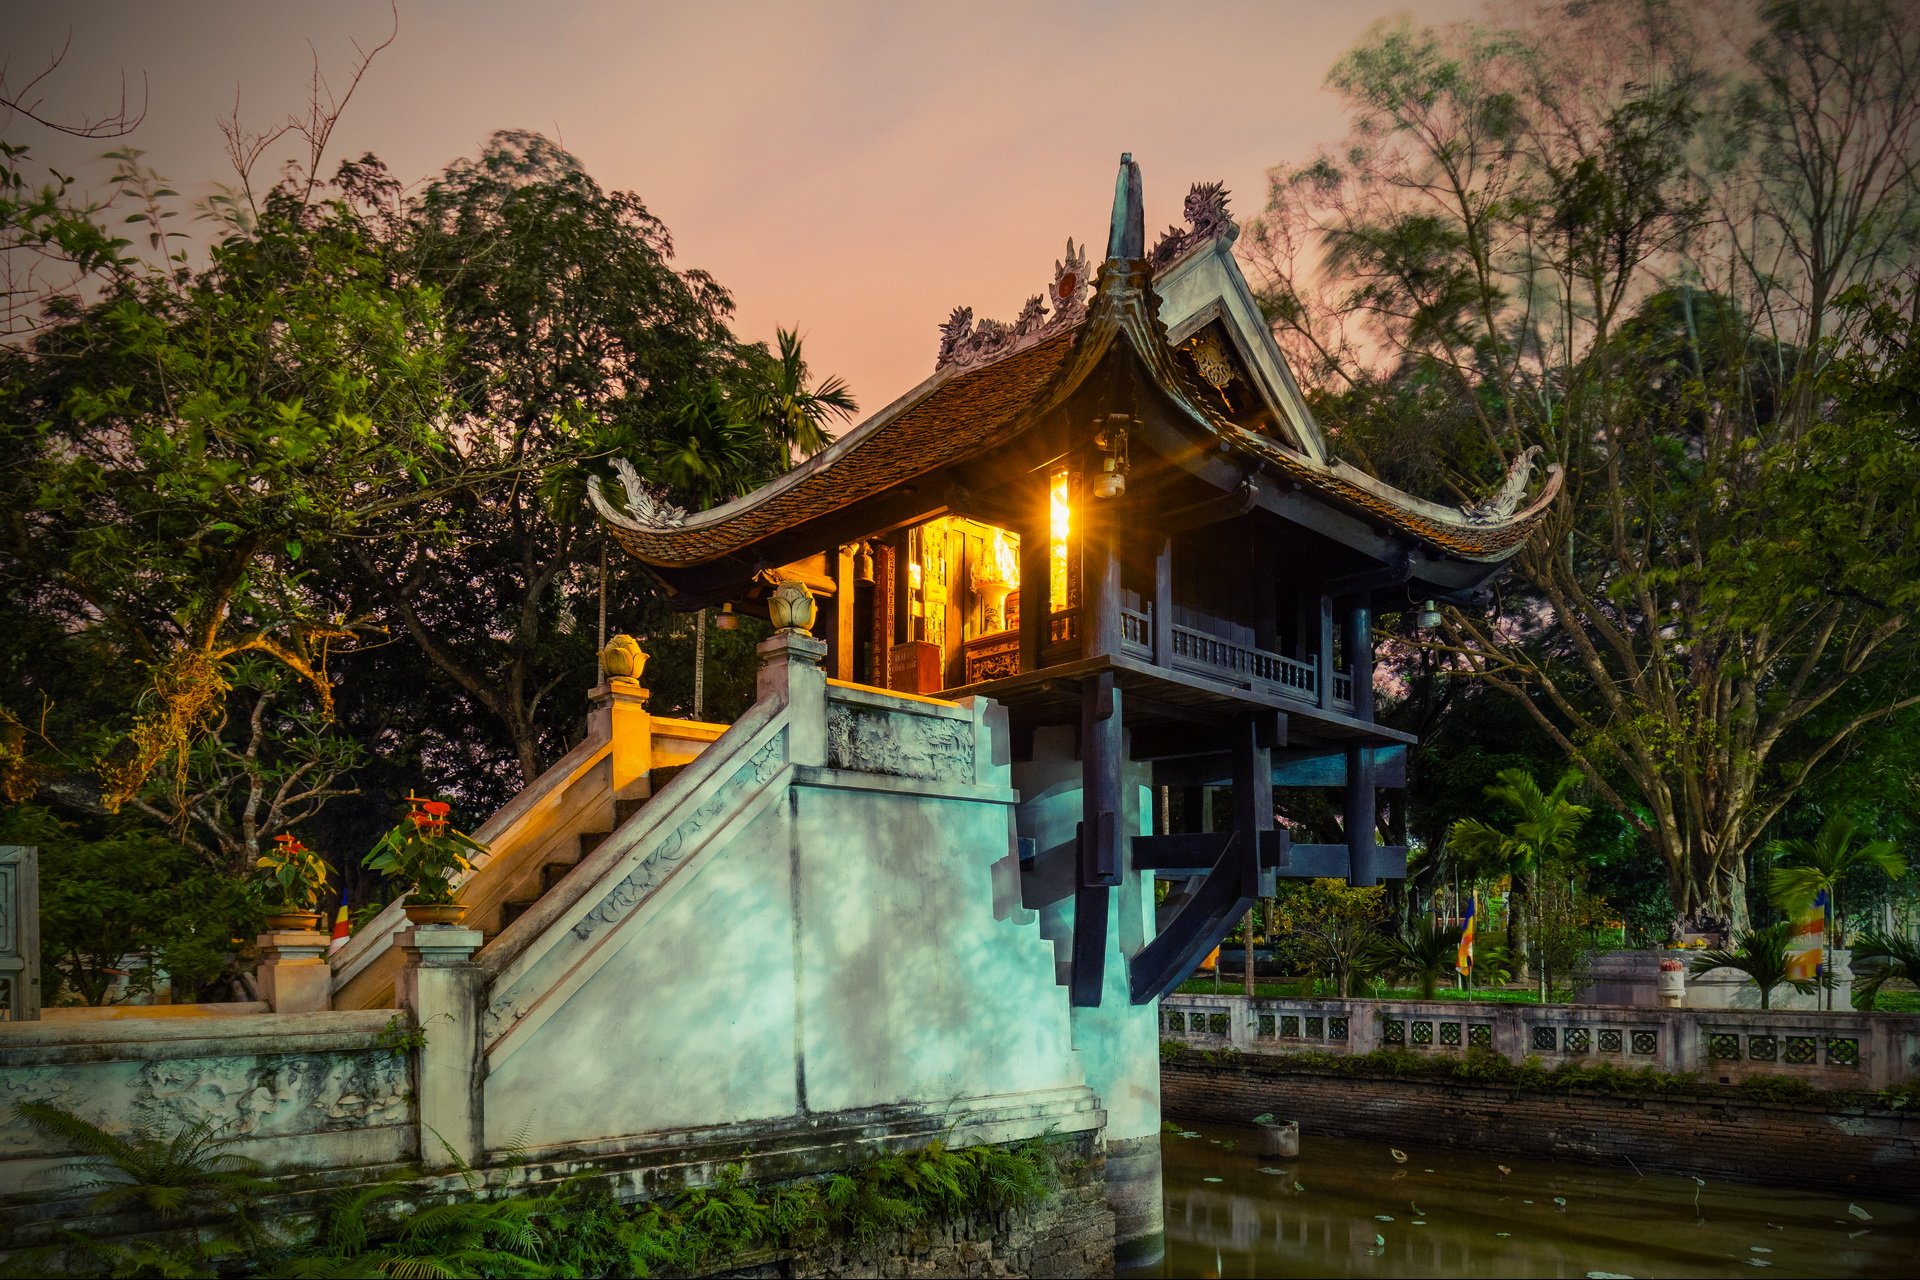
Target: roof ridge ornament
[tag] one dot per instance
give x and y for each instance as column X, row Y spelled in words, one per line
column 964, row 344
column 1127, row 232
column 646, row 506
column 1503, row 502
column 1206, row 214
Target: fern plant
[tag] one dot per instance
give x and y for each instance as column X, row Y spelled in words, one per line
column 191, row 1180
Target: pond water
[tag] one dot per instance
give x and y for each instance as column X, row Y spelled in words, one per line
column 1347, row 1207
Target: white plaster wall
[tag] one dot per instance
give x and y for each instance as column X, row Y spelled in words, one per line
column 921, row 975
column 301, row 1091
column 690, row 1022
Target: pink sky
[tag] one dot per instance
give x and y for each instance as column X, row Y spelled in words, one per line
column 855, row 170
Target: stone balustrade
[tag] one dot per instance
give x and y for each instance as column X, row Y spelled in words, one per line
column 1831, row 1050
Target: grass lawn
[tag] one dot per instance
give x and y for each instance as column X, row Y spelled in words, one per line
column 1233, row 986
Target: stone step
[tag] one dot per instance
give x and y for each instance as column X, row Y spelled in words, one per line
column 624, row 809
column 551, row 873
column 511, row 911
column 590, row 840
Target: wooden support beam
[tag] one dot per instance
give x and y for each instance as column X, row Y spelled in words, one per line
column 1323, row 662
column 1360, row 817
column 1194, row 853
column 1360, row 659
column 1252, row 798
column 1036, row 577
column 1100, row 577
column 1303, row 768
column 1163, row 602
column 1209, row 913
column 844, row 608
column 1332, row 861
column 1101, row 838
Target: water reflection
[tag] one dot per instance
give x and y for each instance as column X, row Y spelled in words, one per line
column 1347, row 1208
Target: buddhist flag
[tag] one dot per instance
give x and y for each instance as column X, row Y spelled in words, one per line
column 1807, row 949
column 342, row 927
column 1463, row 959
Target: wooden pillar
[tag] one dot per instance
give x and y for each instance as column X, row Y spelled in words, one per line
column 1036, row 578
column 1359, row 816
column 1323, row 664
column 885, row 603
column 1102, row 763
column 1163, row 602
column 844, row 607
column 1099, row 578
column 1360, row 659
column 1252, row 798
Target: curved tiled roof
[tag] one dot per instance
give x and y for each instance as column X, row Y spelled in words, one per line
column 955, row 416
column 961, row 416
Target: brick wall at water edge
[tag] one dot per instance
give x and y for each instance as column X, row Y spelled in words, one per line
column 1711, row 1135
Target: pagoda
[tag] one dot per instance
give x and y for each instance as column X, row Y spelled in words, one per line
column 1116, row 517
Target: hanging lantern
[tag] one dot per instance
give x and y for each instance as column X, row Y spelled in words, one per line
column 1110, row 481
column 863, row 564
column 726, row 619
column 1428, row 617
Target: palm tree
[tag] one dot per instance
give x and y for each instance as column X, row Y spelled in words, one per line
column 1545, row 831
column 1811, row 867
column 1888, row 959
column 794, row 413
column 1425, row 954
column 1761, row 954
column 708, row 451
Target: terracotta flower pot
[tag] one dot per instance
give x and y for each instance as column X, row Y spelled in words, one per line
column 299, row 921
column 435, row 912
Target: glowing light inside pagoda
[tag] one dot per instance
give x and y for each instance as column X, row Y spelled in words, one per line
column 1005, row 560
column 1060, row 526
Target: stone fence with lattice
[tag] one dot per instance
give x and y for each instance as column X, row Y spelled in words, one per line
column 1833, row 1050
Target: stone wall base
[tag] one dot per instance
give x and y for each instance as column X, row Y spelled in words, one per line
column 1070, row 1234
column 1707, row 1134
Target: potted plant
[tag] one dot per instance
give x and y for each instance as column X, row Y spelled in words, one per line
column 294, row 878
column 424, row 853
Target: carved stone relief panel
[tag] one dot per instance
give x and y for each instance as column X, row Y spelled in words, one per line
column 903, row 745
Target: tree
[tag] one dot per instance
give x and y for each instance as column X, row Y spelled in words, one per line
column 176, row 451
column 1543, row 833
column 1337, row 925
column 1808, row 868
column 579, row 338
column 796, row 412
column 1584, row 236
column 1761, row 954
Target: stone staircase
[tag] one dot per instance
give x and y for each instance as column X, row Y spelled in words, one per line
column 540, row 836
column 552, row 873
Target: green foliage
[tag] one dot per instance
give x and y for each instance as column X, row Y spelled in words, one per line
column 576, row 1229
column 1425, row 953
column 1334, row 925
column 1504, row 253
column 188, row 1174
column 118, row 900
column 295, row 876
column 1878, row 960
column 423, row 853
column 1808, row 868
column 1761, row 954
